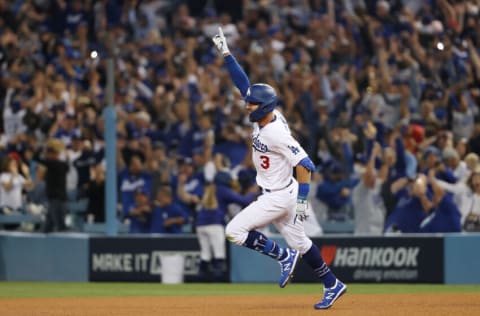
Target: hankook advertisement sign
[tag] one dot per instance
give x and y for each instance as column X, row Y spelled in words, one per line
column 380, row 259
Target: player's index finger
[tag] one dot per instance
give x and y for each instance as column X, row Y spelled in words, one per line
column 220, row 31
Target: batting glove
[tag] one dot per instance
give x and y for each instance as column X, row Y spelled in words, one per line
column 221, row 42
column 301, row 210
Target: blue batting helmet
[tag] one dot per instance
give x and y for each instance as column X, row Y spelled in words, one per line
column 263, row 95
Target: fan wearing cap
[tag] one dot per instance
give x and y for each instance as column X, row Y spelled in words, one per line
column 414, row 203
column 65, row 127
column 335, row 190
column 131, row 179
column 431, row 159
column 140, row 212
column 188, row 186
column 444, row 216
column 452, row 160
column 463, row 171
column 167, row 216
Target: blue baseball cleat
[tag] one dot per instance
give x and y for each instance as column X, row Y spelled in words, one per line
column 330, row 295
column 288, row 266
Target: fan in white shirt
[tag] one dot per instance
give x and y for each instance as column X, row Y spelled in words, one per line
column 453, row 161
column 466, row 194
column 12, row 183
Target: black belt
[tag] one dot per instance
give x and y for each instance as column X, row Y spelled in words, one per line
column 269, row 190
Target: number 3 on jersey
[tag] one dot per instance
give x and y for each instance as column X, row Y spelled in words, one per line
column 265, row 162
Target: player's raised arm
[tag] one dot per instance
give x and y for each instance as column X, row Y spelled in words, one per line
column 236, row 71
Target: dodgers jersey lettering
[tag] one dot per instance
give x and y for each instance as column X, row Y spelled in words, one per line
column 275, row 153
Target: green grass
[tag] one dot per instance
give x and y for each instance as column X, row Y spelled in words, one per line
column 44, row 289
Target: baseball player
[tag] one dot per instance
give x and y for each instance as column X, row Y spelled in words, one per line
column 284, row 199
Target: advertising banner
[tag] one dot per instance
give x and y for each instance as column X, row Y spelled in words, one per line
column 140, row 259
column 383, row 259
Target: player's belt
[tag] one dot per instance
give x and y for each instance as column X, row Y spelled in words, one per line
column 270, row 190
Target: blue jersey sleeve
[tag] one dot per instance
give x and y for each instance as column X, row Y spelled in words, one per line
column 400, row 164
column 348, row 157
column 447, row 176
column 176, row 211
column 237, row 74
column 227, row 196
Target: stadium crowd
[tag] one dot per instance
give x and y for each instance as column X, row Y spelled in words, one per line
column 384, row 96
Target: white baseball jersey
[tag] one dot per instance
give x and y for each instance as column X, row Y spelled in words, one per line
column 275, row 153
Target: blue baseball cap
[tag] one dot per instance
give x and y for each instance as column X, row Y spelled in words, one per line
column 431, row 150
column 223, row 178
column 335, row 167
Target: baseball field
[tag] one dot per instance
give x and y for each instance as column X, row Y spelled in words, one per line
column 139, row 299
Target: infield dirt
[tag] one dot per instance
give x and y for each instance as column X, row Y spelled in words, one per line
column 261, row 305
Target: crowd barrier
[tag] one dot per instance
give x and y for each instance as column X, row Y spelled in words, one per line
column 450, row 259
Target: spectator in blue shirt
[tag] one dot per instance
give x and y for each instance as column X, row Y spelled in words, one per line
column 335, row 191
column 167, row 216
column 188, row 186
column 74, row 16
column 140, row 212
column 401, row 163
column 139, row 126
column 178, row 131
column 130, row 179
column 431, row 159
column 204, row 132
column 65, row 128
column 414, row 203
column 445, row 216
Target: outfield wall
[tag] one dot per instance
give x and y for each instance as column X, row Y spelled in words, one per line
column 40, row 257
column 462, row 259
column 417, row 259
column 450, row 259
